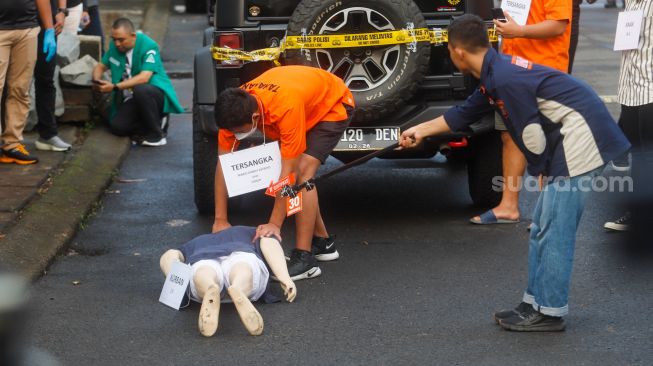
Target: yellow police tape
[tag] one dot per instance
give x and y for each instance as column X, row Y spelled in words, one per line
column 403, row 36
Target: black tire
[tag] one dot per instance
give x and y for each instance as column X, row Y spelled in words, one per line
column 379, row 89
column 484, row 164
column 205, row 157
column 195, row 6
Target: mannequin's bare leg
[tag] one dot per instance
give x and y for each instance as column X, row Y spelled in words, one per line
column 240, row 278
column 168, row 258
column 208, row 284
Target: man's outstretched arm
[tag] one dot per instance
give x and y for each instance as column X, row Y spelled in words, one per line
column 414, row 136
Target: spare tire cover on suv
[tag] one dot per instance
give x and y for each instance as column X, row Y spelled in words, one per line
column 382, row 78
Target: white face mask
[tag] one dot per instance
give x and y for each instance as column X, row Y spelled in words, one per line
column 244, row 135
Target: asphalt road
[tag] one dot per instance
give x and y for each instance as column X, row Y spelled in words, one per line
column 416, row 284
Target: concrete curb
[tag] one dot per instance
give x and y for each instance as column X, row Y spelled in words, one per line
column 51, row 221
column 48, row 224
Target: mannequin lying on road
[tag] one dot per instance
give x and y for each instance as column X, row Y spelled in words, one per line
column 227, row 262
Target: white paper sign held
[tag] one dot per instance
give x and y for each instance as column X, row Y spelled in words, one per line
column 176, row 285
column 251, row 169
column 518, row 10
column 629, row 28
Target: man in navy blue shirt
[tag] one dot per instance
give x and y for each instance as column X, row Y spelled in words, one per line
column 567, row 136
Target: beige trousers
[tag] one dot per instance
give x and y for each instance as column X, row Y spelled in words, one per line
column 18, row 51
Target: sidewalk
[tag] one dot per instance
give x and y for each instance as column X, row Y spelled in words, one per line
column 43, row 205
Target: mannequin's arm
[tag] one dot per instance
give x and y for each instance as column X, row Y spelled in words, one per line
column 273, row 254
column 168, row 258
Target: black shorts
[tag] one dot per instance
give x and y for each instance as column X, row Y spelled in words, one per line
column 324, row 136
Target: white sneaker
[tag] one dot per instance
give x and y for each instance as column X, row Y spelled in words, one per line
column 622, row 164
column 52, row 144
column 620, row 224
column 161, row 142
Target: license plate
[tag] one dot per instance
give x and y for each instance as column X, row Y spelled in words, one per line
column 367, row 138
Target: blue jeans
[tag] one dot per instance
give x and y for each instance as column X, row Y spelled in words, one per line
column 552, row 241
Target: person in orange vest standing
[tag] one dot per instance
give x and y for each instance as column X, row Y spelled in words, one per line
column 544, row 39
column 307, row 110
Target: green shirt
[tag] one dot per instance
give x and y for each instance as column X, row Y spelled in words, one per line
column 146, row 57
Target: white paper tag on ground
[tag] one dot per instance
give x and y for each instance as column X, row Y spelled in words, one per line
column 176, row 285
column 251, row 169
column 518, row 10
column 629, row 27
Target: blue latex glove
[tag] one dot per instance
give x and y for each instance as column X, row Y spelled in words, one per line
column 49, row 44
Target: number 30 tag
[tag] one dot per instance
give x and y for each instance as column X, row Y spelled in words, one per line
column 293, row 204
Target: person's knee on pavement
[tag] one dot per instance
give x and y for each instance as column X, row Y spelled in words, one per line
column 205, row 277
column 118, row 129
column 168, row 259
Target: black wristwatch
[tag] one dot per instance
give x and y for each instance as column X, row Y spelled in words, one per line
column 115, row 87
column 62, row 10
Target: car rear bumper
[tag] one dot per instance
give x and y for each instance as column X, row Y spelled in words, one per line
column 412, row 115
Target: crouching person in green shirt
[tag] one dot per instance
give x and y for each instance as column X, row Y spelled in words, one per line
column 142, row 94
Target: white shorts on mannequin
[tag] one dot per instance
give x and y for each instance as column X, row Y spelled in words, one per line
column 223, row 265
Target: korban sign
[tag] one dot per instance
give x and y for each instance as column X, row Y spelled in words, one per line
column 251, row 169
column 176, row 285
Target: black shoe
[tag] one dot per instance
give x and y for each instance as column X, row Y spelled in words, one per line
column 302, row 265
column 520, row 309
column 324, row 249
column 533, row 321
column 620, row 224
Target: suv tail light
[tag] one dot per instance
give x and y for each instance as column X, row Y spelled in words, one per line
column 233, row 40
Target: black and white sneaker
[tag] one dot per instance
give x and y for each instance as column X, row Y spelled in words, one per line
column 155, row 143
column 620, row 224
column 302, row 265
column 505, row 314
column 324, row 249
column 533, row 321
